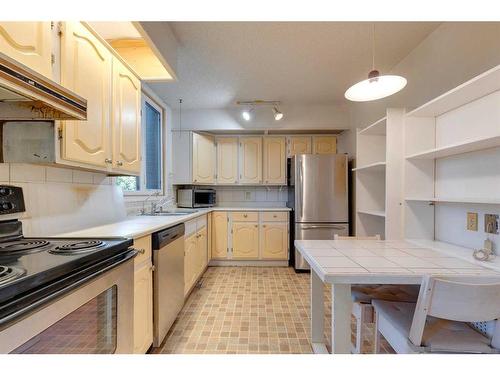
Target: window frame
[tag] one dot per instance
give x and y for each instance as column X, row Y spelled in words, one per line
column 142, row 177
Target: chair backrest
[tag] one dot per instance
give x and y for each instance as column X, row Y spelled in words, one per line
column 464, row 300
column 375, row 237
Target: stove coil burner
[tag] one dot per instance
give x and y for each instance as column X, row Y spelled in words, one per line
column 22, row 246
column 79, row 247
column 9, row 273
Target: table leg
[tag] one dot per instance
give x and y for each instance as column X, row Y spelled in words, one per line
column 341, row 318
column 317, row 315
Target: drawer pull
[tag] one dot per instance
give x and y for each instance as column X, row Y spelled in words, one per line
column 142, row 251
column 119, row 163
column 245, row 215
column 264, row 226
column 256, row 226
column 108, row 161
column 275, row 216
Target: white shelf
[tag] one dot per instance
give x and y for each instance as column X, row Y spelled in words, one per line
column 377, row 128
column 372, row 213
column 469, row 91
column 456, row 149
column 373, row 167
column 454, row 200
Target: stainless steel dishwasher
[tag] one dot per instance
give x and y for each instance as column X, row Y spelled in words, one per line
column 168, row 285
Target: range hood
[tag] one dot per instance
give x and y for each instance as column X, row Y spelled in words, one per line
column 26, row 95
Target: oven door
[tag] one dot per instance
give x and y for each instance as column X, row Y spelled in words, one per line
column 92, row 319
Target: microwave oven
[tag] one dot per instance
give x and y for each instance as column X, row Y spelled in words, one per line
column 195, row 198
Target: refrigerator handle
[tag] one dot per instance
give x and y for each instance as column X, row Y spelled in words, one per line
column 316, row 226
column 301, row 183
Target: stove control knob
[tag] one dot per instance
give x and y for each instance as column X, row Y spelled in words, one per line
column 7, row 206
column 4, row 191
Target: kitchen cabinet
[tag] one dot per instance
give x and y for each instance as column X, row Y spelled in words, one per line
column 30, row 43
column 245, row 240
column 86, row 69
column 126, row 119
column 227, row 160
column 143, row 295
column 274, row 240
column 190, row 245
column 204, row 159
column 250, row 157
column 299, row 145
column 274, row 167
column 325, row 144
column 195, row 251
column 219, row 235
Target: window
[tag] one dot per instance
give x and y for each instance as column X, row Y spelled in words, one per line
column 151, row 178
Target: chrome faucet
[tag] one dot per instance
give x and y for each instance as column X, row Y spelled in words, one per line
column 153, row 205
column 158, row 206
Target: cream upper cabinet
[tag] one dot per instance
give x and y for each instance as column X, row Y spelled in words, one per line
column 86, row 69
column 219, row 235
column 245, row 237
column 299, row 145
column 227, row 160
column 250, row 160
column 325, row 144
column 143, row 308
column 274, row 171
column 274, row 241
column 203, row 159
column 126, row 119
column 30, row 43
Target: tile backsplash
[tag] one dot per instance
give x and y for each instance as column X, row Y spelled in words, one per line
column 252, row 196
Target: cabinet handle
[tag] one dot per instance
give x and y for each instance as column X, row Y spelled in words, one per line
column 245, row 215
column 195, row 180
column 152, row 268
column 275, row 216
column 108, row 161
column 256, row 226
column 119, row 163
column 264, row 226
column 142, row 251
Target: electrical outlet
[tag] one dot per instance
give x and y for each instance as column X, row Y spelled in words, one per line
column 491, row 223
column 472, row 221
column 248, row 195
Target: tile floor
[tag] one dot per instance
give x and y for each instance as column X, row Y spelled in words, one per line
column 257, row 310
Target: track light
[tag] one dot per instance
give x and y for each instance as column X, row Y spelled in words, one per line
column 277, row 114
column 247, row 114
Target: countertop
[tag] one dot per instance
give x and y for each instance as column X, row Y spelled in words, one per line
column 138, row 226
column 384, row 262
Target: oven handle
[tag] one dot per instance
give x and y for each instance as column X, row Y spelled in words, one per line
column 72, row 285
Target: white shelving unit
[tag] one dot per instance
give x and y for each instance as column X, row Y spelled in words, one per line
column 452, row 163
column 379, row 156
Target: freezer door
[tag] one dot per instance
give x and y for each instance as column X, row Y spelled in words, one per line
column 317, row 231
column 321, row 188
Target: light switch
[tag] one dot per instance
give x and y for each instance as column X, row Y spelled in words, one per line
column 472, row 221
column 491, row 223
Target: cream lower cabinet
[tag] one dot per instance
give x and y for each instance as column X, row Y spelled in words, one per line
column 245, row 240
column 274, row 240
column 274, row 166
column 250, row 160
column 299, row 145
column 219, row 235
column 143, row 296
column 204, row 159
column 30, row 43
column 195, row 252
column 325, row 144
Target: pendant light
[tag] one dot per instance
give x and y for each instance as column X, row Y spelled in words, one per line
column 376, row 86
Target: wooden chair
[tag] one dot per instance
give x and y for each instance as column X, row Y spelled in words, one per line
column 362, row 296
column 438, row 322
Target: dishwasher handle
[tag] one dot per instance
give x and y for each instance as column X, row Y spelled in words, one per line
column 164, row 237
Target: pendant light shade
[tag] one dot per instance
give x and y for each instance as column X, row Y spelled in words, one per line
column 375, row 87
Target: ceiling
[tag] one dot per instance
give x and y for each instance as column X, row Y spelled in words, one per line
column 293, row 62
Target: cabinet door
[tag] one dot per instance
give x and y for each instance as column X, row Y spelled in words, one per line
column 189, row 262
column 227, row 160
column 30, row 43
column 86, row 69
column 274, row 170
column 219, row 235
column 250, row 160
column 203, row 159
column 202, row 251
column 299, row 145
column 126, row 114
column 245, row 240
column 143, row 309
column 274, row 237
column 325, row 144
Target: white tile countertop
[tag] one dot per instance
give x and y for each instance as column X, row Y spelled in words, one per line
column 399, row 262
column 138, row 226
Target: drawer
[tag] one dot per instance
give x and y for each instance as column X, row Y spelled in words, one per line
column 245, row 216
column 189, row 227
column 201, row 222
column 143, row 245
column 274, row 216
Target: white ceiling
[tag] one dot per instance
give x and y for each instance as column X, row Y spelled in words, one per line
column 294, row 62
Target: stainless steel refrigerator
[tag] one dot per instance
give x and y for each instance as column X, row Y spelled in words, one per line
column 318, row 195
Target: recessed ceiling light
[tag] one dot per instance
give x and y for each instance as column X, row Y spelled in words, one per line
column 277, row 114
column 376, row 86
